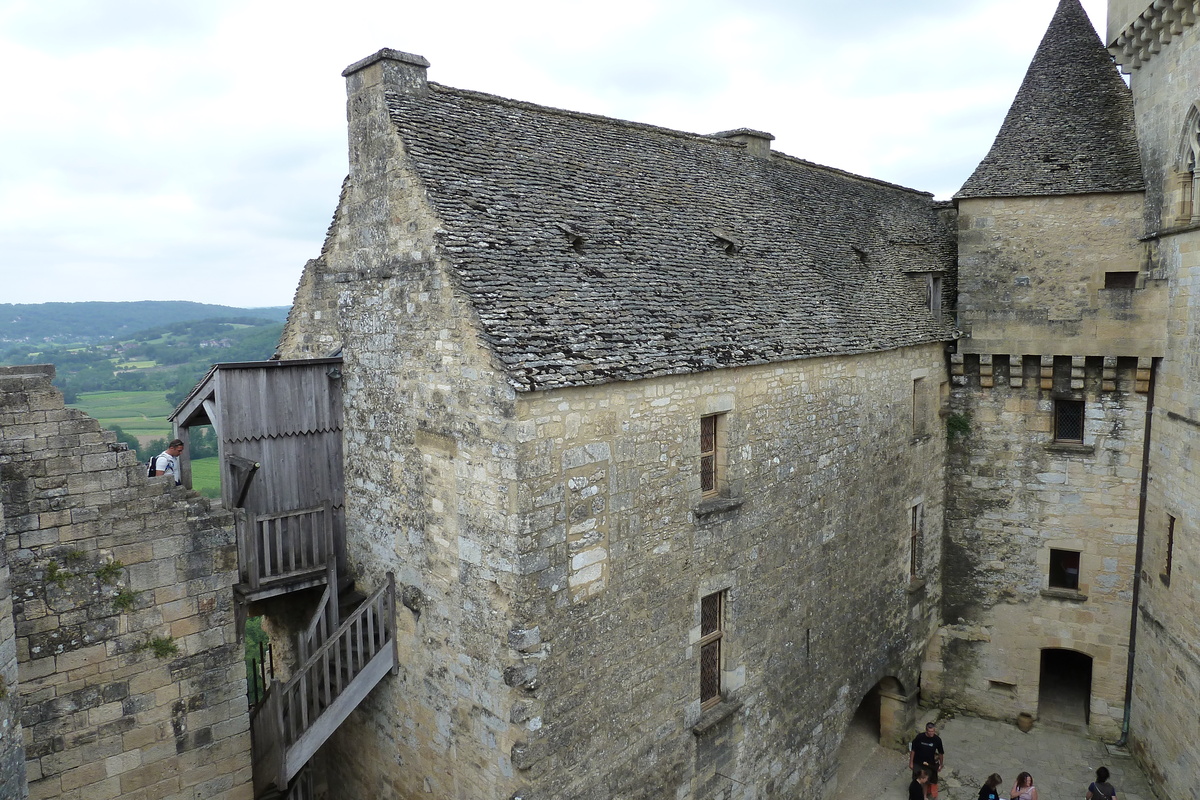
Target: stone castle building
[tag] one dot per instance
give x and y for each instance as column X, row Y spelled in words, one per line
column 681, row 452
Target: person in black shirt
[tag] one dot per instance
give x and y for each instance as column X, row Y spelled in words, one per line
column 991, row 788
column 926, row 751
column 916, row 789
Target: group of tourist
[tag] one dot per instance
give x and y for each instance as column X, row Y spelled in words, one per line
column 926, row 756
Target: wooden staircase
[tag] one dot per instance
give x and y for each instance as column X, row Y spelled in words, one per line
column 345, row 651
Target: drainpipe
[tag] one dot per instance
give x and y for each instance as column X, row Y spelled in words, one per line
column 1137, row 560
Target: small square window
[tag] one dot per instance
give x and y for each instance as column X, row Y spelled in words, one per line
column 1068, row 421
column 1064, row 569
column 1120, row 280
column 712, row 629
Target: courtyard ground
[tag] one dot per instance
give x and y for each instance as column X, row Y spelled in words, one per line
column 1061, row 759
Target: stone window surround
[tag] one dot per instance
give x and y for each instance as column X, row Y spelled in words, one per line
column 733, row 672
column 1088, row 565
column 725, row 496
column 1064, row 406
column 1169, row 547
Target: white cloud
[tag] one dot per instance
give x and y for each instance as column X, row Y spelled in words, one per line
column 195, row 151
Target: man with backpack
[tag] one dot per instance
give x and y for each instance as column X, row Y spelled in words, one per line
column 167, row 462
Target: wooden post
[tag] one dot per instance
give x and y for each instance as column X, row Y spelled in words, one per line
column 252, row 550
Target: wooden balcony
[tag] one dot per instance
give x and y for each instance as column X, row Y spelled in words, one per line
column 285, row 552
column 296, row 718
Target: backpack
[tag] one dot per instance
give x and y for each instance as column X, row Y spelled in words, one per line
column 150, row 470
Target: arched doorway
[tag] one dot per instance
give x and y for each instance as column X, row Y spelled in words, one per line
column 867, row 760
column 1065, row 688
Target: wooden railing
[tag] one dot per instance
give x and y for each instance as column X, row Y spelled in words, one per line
column 324, row 621
column 296, row 718
column 274, row 548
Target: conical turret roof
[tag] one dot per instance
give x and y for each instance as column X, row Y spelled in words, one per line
column 1070, row 129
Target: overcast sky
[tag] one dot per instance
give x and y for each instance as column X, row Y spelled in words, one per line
column 172, row 150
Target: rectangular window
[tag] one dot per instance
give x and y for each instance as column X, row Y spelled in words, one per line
column 920, row 406
column 1120, row 280
column 1064, row 569
column 710, row 465
column 1170, row 554
column 712, row 628
column 917, row 515
column 1068, row 421
column 933, row 289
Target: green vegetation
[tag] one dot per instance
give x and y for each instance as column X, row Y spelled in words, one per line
column 110, row 571
column 256, row 644
column 160, row 646
column 57, row 575
column 206, row 476
column 958, row 425
column 141, row 415
column 91, row 321
column 124, row 600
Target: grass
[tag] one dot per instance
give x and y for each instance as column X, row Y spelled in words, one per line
column 143, row 414
column 206, row 476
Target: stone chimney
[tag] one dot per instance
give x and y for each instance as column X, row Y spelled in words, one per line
column 403, row 73
column 758, row 143
column 371, row 134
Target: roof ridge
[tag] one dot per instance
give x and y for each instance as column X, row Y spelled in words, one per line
column 712, row 138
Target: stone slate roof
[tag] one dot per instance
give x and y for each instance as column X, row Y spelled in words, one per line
column 597, row 250
column 1070, row 129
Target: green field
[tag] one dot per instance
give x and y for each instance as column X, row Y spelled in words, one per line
column 206, row 476
column 142, row 414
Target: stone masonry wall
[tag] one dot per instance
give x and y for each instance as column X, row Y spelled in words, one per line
column 12, row 752
column 809, row 539
column 1014, row 494
column 1032, row 276
column 132, row 683
column 1166, row 668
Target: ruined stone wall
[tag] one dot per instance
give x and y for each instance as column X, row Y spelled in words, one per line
column 132, row 684
column 809, row 540
column 1032, row 277
column 1166, row 669
column 12, row 752
column 1015, row 494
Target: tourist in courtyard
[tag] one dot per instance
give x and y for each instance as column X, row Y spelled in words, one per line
column 1024, row 789
column 916, row 789
column 1101, row 789
column 991, row 788
column 926, row 751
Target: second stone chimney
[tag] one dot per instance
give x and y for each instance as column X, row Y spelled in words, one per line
column 758, row 143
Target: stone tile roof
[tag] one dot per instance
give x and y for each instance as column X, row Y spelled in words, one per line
column 1070, row 129
column 597, row 250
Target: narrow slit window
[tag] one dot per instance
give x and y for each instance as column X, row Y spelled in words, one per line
column 1170, row 554
column 1068, row 421
column 712, row 630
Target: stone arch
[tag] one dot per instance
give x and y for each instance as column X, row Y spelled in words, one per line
column 882, row 722
column 1187, row 182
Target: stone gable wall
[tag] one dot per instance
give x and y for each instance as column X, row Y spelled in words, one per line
column 809, row 540
column 103, row 562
